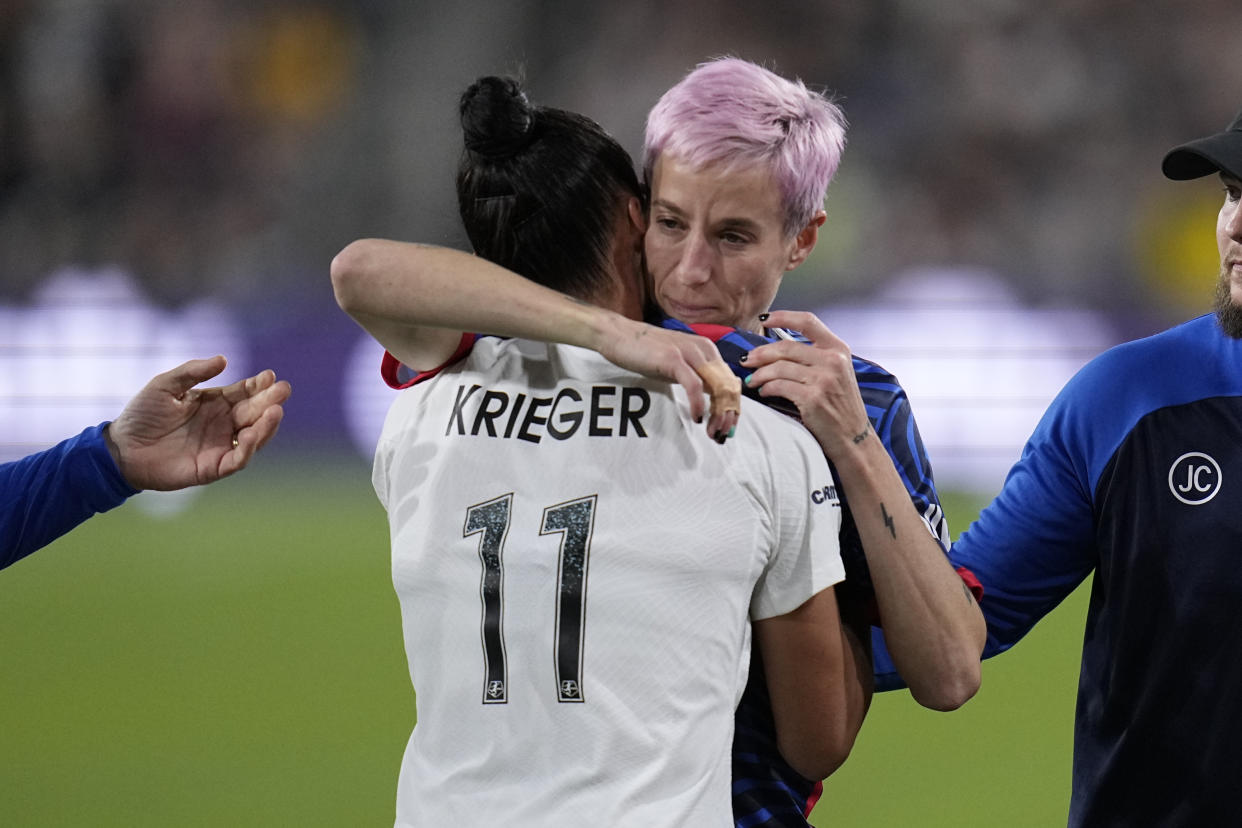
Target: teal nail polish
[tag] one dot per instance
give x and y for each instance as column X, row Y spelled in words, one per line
column 733, row 431
column 746, row 381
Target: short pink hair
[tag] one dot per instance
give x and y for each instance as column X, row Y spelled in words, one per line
column 733, row 111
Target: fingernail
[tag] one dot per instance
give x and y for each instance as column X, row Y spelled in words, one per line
column 699, row 419
column 742, row 358
column 718, row 437
column 732, row 431
column 763, row 317
column 747, row 380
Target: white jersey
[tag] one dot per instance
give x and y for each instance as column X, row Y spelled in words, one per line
column 576, row 562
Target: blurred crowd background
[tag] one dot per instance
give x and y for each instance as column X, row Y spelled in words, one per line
column 176, row 175
column 217, row 153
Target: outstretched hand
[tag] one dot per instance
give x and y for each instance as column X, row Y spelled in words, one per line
column 172, row 435
column 687, row 359
column 818, row 379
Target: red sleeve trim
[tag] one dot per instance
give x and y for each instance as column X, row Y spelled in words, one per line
column 399, row 376
column 971, row 582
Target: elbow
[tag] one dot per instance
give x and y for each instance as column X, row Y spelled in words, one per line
column 819, row 760
column 950, row 680
column 956, row 686
column 349, row 271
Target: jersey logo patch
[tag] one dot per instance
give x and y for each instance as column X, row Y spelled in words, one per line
column 1194, row 478
column 828, row 494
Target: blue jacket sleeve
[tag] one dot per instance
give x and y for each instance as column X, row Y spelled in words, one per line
column 1036, row 541
column 45, row 495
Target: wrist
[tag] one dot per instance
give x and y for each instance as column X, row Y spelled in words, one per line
column 861, row 452
column 114, row 449
column 606, row 329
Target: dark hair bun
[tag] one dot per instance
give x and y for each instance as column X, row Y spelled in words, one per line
column 497, row 119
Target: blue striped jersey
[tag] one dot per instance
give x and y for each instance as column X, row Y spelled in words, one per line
column 766, row 791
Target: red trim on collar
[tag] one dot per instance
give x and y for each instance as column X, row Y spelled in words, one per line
column 712, row 332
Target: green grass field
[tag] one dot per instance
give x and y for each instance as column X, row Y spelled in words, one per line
column 242, row 665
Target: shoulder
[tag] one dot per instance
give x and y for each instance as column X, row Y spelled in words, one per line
column 878, row 386
column 775, row 456
column 1200, row 340
column 399, row 376
column 1191, row 361
column 1102, row 403
column 762, row 417
column 476, row 348
column 778, row 440
column 868, row 371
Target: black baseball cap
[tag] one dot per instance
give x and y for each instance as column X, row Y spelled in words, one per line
column 1221, row 152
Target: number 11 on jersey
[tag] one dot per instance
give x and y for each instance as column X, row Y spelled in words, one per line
column 574, row 521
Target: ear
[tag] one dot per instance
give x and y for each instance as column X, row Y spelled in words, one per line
column 805, row 241
column 637, row 219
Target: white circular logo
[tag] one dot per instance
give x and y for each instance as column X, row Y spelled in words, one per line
column 1194, row 478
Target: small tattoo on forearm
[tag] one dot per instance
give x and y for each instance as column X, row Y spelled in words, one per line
column 888, row 521
column 862, row 435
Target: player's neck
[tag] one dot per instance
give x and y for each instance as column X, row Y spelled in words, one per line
column 626, row 302
column 626, row 293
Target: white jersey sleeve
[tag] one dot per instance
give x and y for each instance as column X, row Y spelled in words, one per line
column 805, row 513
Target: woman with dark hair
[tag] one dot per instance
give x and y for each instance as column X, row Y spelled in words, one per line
column 548, row 194
column 527, row 481
column 538, row 189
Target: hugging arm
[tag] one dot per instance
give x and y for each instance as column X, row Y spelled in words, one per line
column 933, row 627
column 417, row 300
